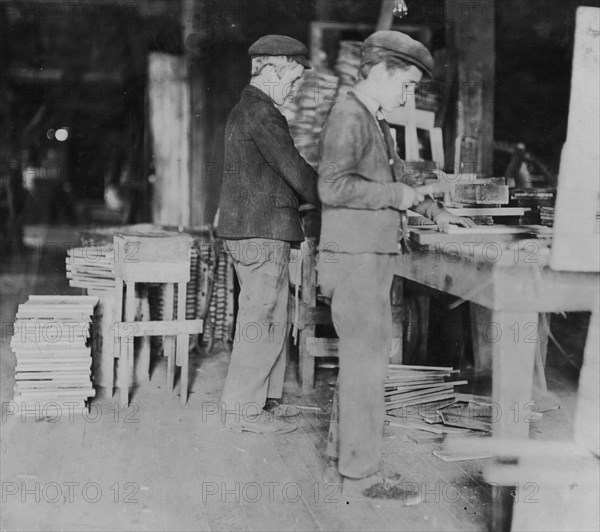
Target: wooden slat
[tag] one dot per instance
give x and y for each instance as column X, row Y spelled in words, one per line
column 154, row 272
column 322, row 347
column 50, row 353
column 488, row 211
column 547, row 471
column 516, row 448
column 496, row 229
column 62, row 375
column 406, row 367
column 158, row 328
column 64, row 300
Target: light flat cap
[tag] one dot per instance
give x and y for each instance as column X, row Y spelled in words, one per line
column 401, row 45
column 280, row 45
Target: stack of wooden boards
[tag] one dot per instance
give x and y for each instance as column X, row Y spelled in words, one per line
column 307, row 111
column 415, row 397
column 418, row 385
column 90, row 267
column 547, row 216
column 209, row 291
column 219, row 322
column 347, row 64
column 540, row 202
column 50, row 343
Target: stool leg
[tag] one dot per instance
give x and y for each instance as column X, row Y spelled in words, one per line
column 334, row 433
column 169, row 341
column 127, row 345
column 142, row 365
column 183, row 351
column 124, row 372
column 118, row 314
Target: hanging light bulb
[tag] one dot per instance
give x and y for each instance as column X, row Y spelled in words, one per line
column 400, row 9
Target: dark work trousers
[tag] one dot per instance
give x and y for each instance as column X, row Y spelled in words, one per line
column 359, row 285
column 257, row 366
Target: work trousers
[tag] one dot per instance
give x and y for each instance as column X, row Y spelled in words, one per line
column 257, row 366
column 359, row 286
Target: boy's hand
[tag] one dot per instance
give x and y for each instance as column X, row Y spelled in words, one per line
column 443, row 219
column 410, row 197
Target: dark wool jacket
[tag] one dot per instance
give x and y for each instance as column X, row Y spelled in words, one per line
column 356, row 184
column 264, row 175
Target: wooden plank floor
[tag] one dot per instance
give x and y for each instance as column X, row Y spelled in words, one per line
column 160, row 466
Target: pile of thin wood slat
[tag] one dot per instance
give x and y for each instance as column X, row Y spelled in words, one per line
column 50, row 343
column 347, row 64
column 415, row 385
column 414, row 396
column 90, row 267
column 219, row 323
column 209, row 293
column 308, row 109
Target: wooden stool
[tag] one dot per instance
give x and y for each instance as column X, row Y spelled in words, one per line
column 307, row 315
column 153, row 259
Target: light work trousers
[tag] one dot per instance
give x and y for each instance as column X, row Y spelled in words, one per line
column 359, row 286
column 258, row 359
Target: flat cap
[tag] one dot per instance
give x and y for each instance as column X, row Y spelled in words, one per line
column 280, row 45
column 401, row 45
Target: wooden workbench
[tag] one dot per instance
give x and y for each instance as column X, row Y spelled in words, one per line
column 517, row 285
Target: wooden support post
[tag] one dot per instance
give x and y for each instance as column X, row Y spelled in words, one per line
column 587, row 417
column 513, row 358
column 386, row 15
column 470, row 33
column 203, row 191
column 168, row 95
column 309, row 299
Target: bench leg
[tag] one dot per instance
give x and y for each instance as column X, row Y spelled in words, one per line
column 397, row 300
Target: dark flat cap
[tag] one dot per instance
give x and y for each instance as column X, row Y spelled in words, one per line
column 280, row 45
column 401, row 45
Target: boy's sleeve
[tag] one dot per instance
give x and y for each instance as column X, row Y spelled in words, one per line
column 340, row 184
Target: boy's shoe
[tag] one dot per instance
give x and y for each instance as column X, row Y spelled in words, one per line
column 380, row 488
column 331, row 475
column 276, row 409
column 263, row 423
